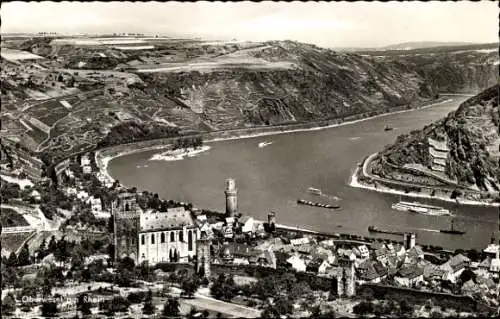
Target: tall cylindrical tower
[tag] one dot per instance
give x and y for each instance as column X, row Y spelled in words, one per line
column 231, row 197
column 271, row 221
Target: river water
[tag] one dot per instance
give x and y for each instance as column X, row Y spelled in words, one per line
column 275, row 176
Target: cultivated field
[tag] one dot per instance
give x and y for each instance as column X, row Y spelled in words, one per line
column 11, row 218
column 14, row 55
column 12, row 242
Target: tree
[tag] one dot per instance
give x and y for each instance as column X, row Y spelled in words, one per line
column 404, row 307
column 8, row 304
column 223, row 288
column 47, row 287
column 62, row 250
column 77, row 256
column 52, row 244
column 467, row 275
column 363, row 308
column 190, row 286
column 10, row 276
column 12, row 261
column 270, row 311
column 24, row 256
column 284, row 305
column 49, row 309
column 111, row 224
column 299, row 289
column 117, row 304
column 83, row 304
column 317, row 314
column 171, row 308
column 148, row 308
column 41, row 252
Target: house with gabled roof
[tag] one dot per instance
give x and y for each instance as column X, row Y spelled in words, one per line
column 297, row 263
column 454, row 267
column 247, row 224
column 409, row 276
column 382, row 255
column 414, row 254
column 371, row 271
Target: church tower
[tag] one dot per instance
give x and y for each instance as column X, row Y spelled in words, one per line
column 231, row 197
column 126, row 215
column 346, row 281
column 203, row 257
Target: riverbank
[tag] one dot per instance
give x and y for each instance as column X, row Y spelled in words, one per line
column 356, row 183
column 104, row 156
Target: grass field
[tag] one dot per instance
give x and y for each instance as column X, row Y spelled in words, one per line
column 11, row 218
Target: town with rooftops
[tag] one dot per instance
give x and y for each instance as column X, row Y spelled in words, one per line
column 117, row 246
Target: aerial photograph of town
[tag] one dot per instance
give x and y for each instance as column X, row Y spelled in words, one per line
column 250, row 159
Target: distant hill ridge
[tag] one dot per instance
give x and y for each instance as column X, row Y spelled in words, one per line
column 424, row 44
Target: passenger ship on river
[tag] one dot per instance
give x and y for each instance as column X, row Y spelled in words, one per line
column 415, row 207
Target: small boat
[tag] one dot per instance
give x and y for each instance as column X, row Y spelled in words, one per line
column 314, row 191
column 452, row 231
column 373, row 229
column 388, row 128
column 264, row 144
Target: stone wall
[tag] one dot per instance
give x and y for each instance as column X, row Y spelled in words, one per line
column 414, row 296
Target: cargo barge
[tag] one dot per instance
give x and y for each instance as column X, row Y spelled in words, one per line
column 309, row 203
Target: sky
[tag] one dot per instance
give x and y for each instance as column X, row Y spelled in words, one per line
column 334, row 24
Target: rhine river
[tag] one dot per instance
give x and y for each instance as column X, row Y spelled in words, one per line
column 272, row 178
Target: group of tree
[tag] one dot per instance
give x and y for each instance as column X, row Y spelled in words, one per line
column 84, row 216
column 187, row 142
column 171, row 308
column 189, row 286
column 83, row 305
column 132, row 131
column 10, row 275
column 9, row 191
column 148, row 308
column 280, row 306
column 8, row 304
column 53, row 198
column 112, row 306
column 382, row 308
column 224, row 287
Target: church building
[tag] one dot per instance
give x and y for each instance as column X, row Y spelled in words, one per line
column 152, row 236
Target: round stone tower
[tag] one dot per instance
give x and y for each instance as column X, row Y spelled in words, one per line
column 231, row 197
column 271, row 221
